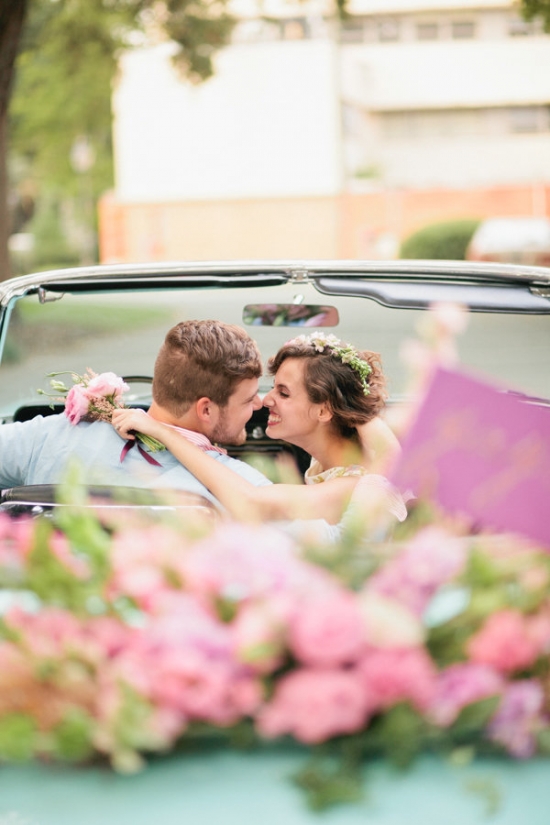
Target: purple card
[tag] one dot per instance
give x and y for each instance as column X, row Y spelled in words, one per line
column 482, row 452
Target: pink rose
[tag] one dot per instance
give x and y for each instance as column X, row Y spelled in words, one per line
column 107, row 385
column 76, row 403
column 314, row 705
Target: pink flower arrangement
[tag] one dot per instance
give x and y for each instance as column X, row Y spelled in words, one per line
column 155, row 632
column 93, row 397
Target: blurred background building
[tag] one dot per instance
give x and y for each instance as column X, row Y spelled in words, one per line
column 326, row 139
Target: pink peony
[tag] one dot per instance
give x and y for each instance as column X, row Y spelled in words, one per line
column 459, row 685
column 505, row 642
column 391, row 676
column 314, row 705
column 76, row 403
column 328, row 629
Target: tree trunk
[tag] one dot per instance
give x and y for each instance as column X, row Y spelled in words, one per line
column 12, row 16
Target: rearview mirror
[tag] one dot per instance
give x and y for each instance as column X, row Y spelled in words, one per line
column 290, row 315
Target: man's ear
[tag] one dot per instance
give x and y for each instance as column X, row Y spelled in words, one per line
column 204, row 408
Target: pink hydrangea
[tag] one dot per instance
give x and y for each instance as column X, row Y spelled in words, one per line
column 327, row 629
column 184, row 661
column 238, row 562
column 315, row 704
column 391, row 676
column 459, row 685
column 428, row 561
column 505, row 642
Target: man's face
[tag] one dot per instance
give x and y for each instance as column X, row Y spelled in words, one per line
column 231, row 420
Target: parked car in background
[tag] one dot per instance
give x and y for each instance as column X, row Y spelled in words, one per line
column 511, row 240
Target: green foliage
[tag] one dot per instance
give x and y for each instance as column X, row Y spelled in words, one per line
column 440, row 241
column 531, row 9
column 17, row 737
column 73, row 737
column 51, row 249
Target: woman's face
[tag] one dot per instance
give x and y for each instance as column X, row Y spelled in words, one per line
column 292, row 416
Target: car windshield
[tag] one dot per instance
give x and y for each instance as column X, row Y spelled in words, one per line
column 122, row 332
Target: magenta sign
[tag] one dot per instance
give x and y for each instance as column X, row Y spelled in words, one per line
column 482, row 452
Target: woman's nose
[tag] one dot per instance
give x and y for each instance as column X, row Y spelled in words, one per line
column 268, row 401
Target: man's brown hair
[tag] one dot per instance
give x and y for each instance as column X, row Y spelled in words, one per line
column 203, row 359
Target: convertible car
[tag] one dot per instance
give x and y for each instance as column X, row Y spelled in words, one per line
column 114, row 318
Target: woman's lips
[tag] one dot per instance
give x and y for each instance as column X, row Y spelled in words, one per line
column 273, row 419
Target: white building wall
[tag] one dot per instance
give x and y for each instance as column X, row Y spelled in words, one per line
column 268, row 124
column 265, row 125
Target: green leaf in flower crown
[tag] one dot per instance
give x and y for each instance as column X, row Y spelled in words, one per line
column 17, row 737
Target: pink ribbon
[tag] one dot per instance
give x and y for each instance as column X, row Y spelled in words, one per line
column 128, row 446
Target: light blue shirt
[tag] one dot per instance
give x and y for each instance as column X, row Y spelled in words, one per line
column 39, row 452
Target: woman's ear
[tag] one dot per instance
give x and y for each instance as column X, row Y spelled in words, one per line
column 324, row 413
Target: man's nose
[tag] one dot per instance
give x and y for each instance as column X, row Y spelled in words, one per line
column 257, row 403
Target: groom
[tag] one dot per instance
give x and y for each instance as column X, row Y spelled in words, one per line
column 205, row 382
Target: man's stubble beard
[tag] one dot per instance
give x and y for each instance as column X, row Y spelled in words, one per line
column 222, row 434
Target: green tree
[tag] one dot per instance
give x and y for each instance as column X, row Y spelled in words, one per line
column 59, row 57
column 537, row 8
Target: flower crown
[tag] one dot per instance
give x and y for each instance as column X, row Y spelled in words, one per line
column 345, row 352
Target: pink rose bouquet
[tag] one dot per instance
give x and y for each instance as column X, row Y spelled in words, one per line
column 93, row 397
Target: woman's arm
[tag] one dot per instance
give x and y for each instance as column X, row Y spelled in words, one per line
column 242, row 499
column 379, row 444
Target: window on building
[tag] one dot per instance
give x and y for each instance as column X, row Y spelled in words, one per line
column 256, row 31
column 353, row 30
column 527, row 118
column 463, row 29
column 453, row 123
column 388, row 30
column 427, row 30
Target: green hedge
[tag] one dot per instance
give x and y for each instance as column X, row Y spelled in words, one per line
column 440, row 241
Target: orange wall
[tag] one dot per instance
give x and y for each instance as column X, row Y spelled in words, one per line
column 351, row 225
